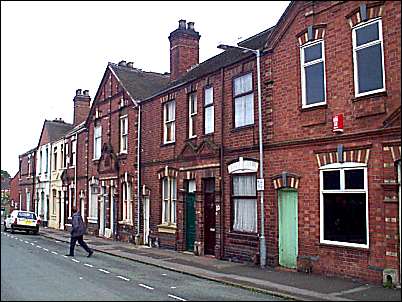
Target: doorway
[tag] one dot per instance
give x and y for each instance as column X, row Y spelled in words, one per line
column 145, row 205
column 190, row 215
column 288, row 237
column 209, row 216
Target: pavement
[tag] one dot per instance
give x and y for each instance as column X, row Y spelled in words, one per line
column 284, row 284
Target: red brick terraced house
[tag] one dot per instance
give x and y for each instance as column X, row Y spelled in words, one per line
column 112, row 154
column 14, row 192
column 199, row 159
column 26, row 180
column 74, row 176
column 333, row 104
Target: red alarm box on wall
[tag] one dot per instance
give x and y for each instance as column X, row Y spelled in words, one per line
column 337, row 123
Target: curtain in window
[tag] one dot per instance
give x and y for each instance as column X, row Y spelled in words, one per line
column 243, row 84
column 244, row 110
column 245, row 209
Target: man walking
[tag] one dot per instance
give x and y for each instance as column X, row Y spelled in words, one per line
column 77, row 233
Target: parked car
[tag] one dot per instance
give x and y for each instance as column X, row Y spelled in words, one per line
column 22, row 221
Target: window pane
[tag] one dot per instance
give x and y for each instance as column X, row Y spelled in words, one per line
column 332, row 180
column 209, row 119
column 244, row 110
column 174, row 188
column 244, row 185
column 209, row 96
column 239, row 112
column 193, row 103
column 367, row 34
column 354, row 179
column 312, row 53
column 245, row 215
column 170, row 111
column 345, row 218
column 249, row 118
column 369, row 65
column 243, row 84
column 314, row 83
column 165, row 188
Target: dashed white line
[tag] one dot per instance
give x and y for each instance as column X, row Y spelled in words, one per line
column 75, row 260
column 45, row 249
column 38, row 246
column 57, row 241
column 123, row 278
column 26, row 241
column 103, row 271
column 175, row 297
column 32, row 243
column 64, row 256
column 21, row 240
column 145, row 286
column 53, row 252
column 89, row 265
column 173, row 287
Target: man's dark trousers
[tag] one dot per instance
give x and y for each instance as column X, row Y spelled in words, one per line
column 81, row 241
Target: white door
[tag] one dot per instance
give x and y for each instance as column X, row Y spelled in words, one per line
column 146, row 219
column 102, row 216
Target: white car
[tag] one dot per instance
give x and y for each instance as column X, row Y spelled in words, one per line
column 22, row 221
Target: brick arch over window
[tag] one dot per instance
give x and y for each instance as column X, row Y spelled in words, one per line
column 365, row 12
column 167, row 172
column 311, row 33
column 286, row 180
column 341, row 154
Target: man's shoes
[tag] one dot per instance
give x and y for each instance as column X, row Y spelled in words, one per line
column 90, row 254
column 69, row 255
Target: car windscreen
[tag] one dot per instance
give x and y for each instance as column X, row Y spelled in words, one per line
column 26, row 215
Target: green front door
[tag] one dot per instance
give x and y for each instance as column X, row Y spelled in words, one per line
column 190, row 221
column 287, row 228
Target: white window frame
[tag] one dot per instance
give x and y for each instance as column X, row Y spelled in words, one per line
column 97, row 143
column 40, row 162
column 303, row 72
column 127, row 203
column 29, row 166
column 62, row 156
column 124, row 134
column 93, row 204
column 55, row 158
column 73, row 152
column 166, row 122
column 342, row 167
column 211, row 122
column 243, row 95
column 192, row 97
column 170, row 201
column 355, row 49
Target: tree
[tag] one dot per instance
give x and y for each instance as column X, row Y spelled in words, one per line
column 5, row 174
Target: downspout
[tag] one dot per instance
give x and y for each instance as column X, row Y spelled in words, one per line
column 75, row 170
column 138, row 170
column 222, row 203
column 48, row 181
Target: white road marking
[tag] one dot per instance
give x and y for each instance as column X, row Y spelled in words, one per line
column 164, row 274
column 26, row 241
column 89, row 265
column 32, row 243
column 81, row 278
column 75, row 260
column 173, row 287
column 64, row 256
column 57, row 241
column 38, row 246
column 103, row 271
column 46, row 249
column 121, row 277
column 145, row 286
column 16, row 238
column 21, row 240
column 175, row 297
column 54, row 253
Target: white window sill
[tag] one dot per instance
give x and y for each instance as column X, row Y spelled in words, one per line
column 368, row 93
column 314, row 105
column 92, row 219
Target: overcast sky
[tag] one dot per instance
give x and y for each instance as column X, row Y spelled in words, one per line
column 50, row 49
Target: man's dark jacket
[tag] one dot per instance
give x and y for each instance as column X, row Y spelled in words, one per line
column 78, row 224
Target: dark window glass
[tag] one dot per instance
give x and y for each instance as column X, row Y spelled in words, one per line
column 354, row 179
column 369, row 65
column 345, row 217
column 312, row 53
column 332, row 180
column 314, row 83
column 367, row 34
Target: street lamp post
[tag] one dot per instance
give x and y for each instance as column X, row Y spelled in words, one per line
column 263, row 253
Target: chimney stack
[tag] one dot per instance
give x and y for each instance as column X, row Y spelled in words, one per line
column 82, row 106
column 184, row 49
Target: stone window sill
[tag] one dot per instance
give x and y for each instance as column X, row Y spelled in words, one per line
column 167, row 228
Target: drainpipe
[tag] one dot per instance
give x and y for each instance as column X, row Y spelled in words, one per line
column 138, row 170
column 222, row 168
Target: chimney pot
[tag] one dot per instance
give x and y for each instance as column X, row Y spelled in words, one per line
column 78, row 92
column 190, row 25
column 130, row 64
column 86, row 92
column 122, row 63
column 182, row 24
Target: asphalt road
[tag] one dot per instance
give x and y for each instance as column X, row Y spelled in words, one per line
column 35, row 268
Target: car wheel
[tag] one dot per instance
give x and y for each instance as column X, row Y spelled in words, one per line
column 12, row 230
column 5, row 227
column 35, row 232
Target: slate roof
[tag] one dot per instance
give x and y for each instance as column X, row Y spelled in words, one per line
column 139, row 84
column 226, row 58
column 57, row 129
